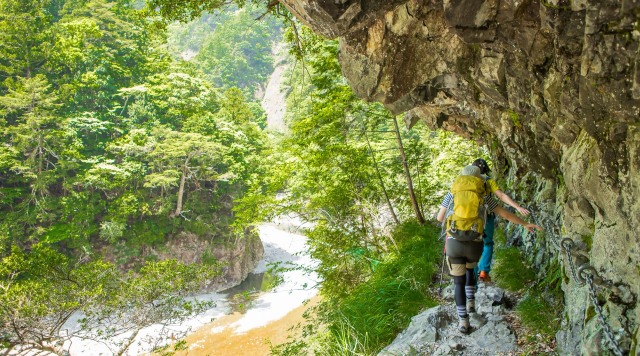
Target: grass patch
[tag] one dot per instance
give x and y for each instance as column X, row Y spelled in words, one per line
column 588, row 241
column 375, row 311
column 498, row 238
column 538, row 314
column 510, row 271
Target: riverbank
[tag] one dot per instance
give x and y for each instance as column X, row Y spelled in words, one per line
column 283, row 249
column 270, row 315
column 221, row 339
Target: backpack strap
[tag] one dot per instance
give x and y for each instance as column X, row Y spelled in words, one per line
column 484, row 181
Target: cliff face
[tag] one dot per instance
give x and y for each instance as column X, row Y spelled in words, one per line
column 553, row 89
column 237, row 259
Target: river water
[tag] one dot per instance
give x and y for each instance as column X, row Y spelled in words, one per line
column 264, row 315
column 268, row 317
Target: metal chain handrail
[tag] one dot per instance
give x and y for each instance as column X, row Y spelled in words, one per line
column 588, row 275
column 615, row 347
column 567, row 244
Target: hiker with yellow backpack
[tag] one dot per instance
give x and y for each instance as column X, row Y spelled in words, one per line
column 484, row 265
column 464, row 211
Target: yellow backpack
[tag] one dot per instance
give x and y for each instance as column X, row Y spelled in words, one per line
column 465, row 222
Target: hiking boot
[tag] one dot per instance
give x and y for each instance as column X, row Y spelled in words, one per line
column 464, row 326
column 471, row 305
column 484, row 277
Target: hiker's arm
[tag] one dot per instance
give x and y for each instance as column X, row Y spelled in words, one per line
column 507, row 199
column 441, row 213
column 515, row 219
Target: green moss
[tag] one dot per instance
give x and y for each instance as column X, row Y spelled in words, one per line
column 560, row 179
column 494, row 144
column 588, row 241
column 590, row 313
column 565, row 277
column 515, row 118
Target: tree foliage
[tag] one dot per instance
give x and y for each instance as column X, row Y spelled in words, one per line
column 42, row 289
column 111, row 148
column 346, row 173
column 238, row 52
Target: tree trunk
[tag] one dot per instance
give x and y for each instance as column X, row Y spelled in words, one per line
column 183, row 179
column 384, row 189
column 412, row 195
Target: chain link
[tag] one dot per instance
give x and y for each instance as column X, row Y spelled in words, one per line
column 605, row 326
column 586, row 274
column 571, row 266
column 547, row 227
column 567, row 244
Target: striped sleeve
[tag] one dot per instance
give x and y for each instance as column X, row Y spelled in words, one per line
column 491, row 204
column 448, row 199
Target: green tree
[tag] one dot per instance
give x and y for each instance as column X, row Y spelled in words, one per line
column 24, row 29
column 178, row 157
column 38, row 139
column 238, row 52
column 42, row 289
column 99, row 47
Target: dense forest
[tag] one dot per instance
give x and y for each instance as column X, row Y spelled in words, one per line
column 121, row 131
column 111, row 147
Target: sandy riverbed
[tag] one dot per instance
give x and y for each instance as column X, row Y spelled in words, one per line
column 221, row 339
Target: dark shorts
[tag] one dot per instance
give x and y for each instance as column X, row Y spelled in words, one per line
column 462, row 255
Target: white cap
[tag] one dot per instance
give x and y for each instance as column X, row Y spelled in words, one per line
column 471, row 170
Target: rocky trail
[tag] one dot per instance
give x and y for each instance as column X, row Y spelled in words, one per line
column 435, row 331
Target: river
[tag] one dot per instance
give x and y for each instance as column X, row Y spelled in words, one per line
column 272, row 313
column 224, row 329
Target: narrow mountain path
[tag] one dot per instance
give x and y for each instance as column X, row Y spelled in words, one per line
column 435, row 331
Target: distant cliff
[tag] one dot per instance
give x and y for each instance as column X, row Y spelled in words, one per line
column 553, row 89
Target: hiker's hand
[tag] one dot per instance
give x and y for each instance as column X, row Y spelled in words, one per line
column 523, row 211
column 532, row 227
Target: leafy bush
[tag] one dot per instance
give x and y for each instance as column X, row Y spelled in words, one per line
column 111, row 231
column 149, row 232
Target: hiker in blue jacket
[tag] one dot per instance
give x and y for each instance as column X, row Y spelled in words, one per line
column 484, row 266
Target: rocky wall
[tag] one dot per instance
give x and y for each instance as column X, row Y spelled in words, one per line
column 552, row 87
column 237, row 259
